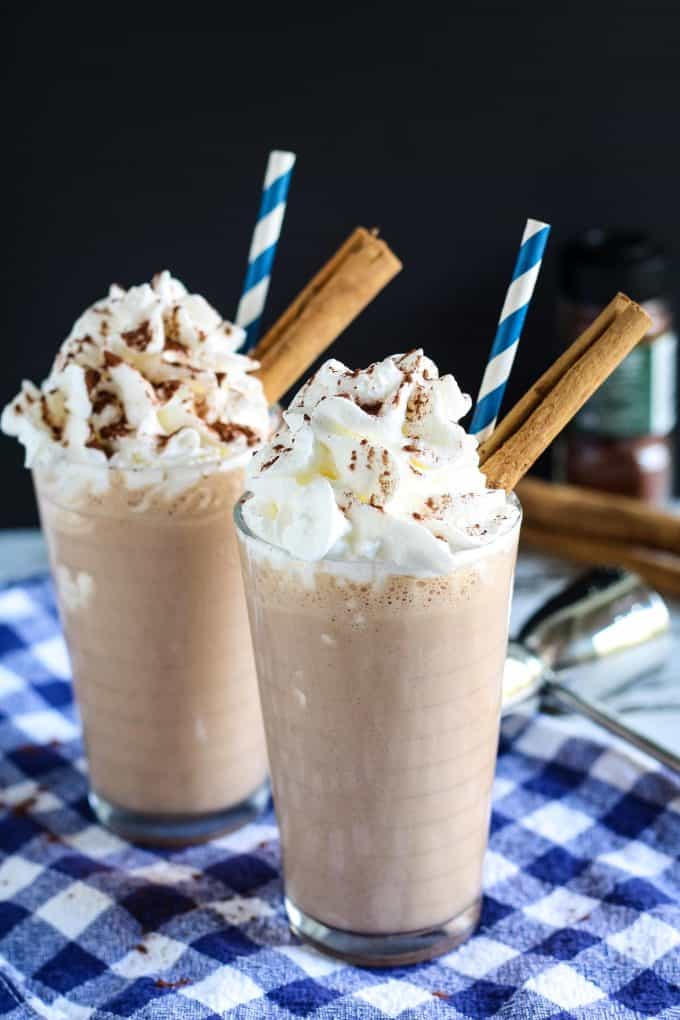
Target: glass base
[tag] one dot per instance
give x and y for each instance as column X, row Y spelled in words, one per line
column 178, row 830
column 383, row 950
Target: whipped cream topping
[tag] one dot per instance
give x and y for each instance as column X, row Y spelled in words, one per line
column 148, row 377
column 373, row 465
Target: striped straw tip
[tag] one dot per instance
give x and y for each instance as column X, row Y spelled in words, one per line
column 509, row 329
column 280, row 162
column 264, row 241
column 534, row 227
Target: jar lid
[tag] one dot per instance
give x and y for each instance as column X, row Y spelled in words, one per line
column 596, row 264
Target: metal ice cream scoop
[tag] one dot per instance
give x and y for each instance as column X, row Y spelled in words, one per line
column 599, row 633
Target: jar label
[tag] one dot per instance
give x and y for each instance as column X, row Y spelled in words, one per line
column 638, row 399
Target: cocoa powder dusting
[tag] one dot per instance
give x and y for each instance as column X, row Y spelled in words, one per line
column 47, row 418
column 92, row 377
column 115, row 431
column 103, row 399
column 139, row 338
column 167, row 389
column 228, row 431
column 174, row 345
column 171, row 323
column 373, row 407
column 94, row 443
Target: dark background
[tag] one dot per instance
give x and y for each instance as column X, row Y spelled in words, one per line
column 136, row 138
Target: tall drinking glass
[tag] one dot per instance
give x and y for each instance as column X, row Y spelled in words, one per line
column 381, row 695
column 151, row 598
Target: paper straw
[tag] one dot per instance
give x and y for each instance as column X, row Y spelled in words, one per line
column 509, row 329
column 263, row 246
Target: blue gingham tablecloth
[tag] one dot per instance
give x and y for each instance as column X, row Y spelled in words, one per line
column 581, row 912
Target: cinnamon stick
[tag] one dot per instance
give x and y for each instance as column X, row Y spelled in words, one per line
column 553, row 401
column 547, row 381
column 590, row 514
column 660, row 569
column 358, row 271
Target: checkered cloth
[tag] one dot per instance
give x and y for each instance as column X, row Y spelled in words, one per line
column 581, row 913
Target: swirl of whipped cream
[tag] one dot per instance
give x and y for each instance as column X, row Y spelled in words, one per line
column 148, row 377
column 373, row 465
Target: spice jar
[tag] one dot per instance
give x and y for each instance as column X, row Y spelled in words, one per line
column 621, row 440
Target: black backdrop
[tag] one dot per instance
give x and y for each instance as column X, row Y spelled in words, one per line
column 136, row 137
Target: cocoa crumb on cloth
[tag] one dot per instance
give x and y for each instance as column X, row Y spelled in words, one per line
column 23, row 807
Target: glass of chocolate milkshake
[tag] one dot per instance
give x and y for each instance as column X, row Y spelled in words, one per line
column 378, row 571
column 138, row 442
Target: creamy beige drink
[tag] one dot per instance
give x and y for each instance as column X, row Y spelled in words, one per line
column 378, row 571
column 138, row 442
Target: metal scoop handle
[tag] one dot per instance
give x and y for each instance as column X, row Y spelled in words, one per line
column 556, row 694
column 607, row 623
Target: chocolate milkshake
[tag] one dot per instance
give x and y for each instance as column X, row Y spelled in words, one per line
column 378, row 572
column 138, row 442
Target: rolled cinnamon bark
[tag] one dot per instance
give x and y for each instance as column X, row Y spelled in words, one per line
column 532, row 398
column 331, row 300
column 553, row 401
column 585, row 513
column 660, row 569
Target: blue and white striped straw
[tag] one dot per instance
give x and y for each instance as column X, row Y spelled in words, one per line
column 263, row 246
column 509, row 329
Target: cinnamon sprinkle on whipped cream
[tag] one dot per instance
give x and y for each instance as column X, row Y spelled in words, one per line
column 147, row 376
column 373, row 465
